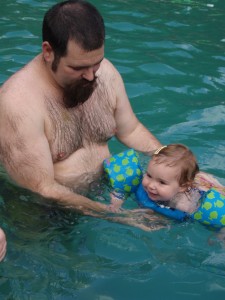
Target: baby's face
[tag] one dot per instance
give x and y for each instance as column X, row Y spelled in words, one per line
column 160, row 181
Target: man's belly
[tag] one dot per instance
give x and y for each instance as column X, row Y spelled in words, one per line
column 81, row 168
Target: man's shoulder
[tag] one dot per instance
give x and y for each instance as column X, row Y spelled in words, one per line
column 21, row 78
column 19, row 86
column 108, row 70
column 14, row 84
column 13, row 90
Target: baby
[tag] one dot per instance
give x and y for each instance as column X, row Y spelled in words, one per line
column 173, row 179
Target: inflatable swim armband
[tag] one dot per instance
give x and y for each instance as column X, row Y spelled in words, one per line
column 212, row 209
column 123, row 171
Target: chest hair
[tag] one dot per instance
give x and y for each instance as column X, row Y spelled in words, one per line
column 74, row 128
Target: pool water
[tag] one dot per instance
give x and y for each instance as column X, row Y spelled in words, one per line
column 172, row 59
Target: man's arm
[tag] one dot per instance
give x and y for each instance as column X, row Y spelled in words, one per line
column 25, row 154
column 3, row 244
column 129, row 130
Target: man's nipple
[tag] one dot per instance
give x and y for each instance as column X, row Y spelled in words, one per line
column 60, row 155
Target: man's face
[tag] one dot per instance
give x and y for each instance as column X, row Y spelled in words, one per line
column 76, row 73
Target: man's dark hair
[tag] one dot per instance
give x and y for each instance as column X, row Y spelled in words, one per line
column 73, row 20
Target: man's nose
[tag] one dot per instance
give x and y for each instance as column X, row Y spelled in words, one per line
column 89, row 74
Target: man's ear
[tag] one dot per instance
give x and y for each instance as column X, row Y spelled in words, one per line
column 47, row 51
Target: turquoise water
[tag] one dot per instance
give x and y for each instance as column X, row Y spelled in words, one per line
column 172, row 58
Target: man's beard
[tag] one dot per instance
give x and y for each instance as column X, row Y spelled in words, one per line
column 78, row 92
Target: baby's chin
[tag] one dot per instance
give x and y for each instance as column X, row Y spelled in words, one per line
column 157, row 197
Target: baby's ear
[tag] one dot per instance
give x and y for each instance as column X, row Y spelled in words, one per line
column 184, row 187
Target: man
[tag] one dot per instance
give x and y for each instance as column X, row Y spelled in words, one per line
column 59, row 111
column 2, row 244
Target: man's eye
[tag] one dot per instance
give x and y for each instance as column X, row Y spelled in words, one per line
column 76, row 69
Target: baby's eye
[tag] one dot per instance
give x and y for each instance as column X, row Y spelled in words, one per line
column 148, row 175
column 163, row 182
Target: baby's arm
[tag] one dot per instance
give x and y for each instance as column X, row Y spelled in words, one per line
column 186, row 201
column 180, row 202
column 205, row 181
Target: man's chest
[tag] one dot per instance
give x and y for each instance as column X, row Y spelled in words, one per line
column 71, row 129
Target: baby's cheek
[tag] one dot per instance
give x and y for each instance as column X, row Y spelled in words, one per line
column 144, row 181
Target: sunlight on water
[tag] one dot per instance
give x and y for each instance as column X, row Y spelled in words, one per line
column 171, row 57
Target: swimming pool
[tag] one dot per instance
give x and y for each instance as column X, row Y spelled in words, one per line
column 171, row 56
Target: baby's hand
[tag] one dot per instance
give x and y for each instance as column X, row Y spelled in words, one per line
column 116, row 202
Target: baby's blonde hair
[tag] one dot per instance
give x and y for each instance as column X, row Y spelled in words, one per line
column 180, row 156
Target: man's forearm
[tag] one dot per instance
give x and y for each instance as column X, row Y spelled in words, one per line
column 141, row 140
column 66, row 197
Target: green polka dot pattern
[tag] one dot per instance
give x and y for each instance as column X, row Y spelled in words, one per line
column 212, row 209
column 123, row 171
